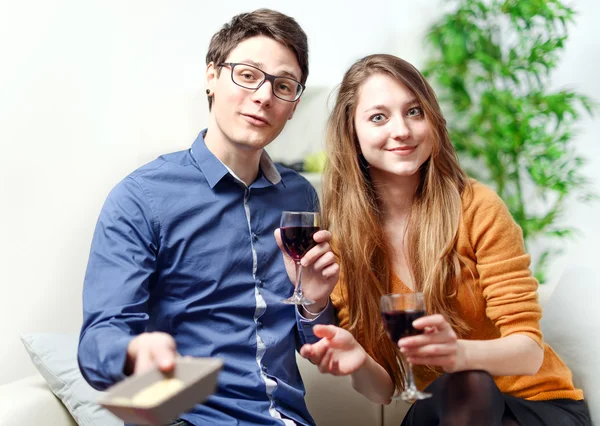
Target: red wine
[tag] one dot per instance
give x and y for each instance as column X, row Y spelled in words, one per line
column 297, row 240
column 399, row 323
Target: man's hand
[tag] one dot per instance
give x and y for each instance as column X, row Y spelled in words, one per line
column 320, row 270
column 149, row 350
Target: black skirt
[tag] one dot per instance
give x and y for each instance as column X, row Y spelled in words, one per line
column 553, row 412
column 477, row 389
column 559, row 412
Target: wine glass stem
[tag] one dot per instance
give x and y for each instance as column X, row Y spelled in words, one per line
column 298, row 290
column 411, row 379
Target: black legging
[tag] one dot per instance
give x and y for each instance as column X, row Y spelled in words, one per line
column 468, row 398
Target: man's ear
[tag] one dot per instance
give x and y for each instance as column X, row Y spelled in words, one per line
column 293, row 109
column 210, row 79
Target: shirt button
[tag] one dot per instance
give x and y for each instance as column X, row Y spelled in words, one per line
column 259, row 324
column 261, row 283
column 255, row 237
column 264, row 368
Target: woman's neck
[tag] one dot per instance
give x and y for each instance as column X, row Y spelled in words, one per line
column 396, row 194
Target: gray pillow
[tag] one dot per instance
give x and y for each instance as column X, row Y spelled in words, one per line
column 570, row 325
column 55, row 356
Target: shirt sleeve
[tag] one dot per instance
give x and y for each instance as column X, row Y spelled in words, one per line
column 305, row 325
column 509, row 289
column 116, row 290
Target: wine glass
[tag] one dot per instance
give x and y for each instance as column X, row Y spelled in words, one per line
column 297, row 230
column 398, row 312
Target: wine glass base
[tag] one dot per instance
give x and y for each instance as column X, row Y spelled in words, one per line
column 296, row 299
column 411, row 395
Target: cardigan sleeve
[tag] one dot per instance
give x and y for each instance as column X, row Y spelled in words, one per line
column 508, row 287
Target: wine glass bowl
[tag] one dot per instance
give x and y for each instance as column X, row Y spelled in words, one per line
column 398, row 311
column 298, row 240
column 297, row 230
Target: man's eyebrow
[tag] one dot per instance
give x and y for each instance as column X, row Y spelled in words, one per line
column 260, row 65
column 254, row 63
column 289, row 74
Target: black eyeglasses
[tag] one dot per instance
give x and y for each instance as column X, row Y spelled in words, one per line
column 250, row 77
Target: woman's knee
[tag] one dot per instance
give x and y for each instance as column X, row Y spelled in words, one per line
column 471, row 381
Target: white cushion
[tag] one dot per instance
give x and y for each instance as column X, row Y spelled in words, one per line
column 332, row 401
column 55, row 356
column 570, row 325
column 29, row 401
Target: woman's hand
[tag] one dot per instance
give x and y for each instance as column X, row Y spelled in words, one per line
column 437, row 346
column 337, row 353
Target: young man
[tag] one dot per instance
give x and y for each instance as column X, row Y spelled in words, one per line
column 183, row 259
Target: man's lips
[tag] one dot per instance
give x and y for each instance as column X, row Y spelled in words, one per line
column 255, row 119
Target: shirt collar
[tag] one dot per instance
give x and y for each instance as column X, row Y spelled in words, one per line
column 215, row 170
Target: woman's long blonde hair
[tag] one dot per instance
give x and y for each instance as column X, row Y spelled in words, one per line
column 352, row 211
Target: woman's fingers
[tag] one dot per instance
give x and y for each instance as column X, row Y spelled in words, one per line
column 315, row 352
column 446, row 362
column 426, row 339
column 434, row 350
column 325, row 331
column 436, row 321
column 437, row 345
column 436, row 330
column 324, row 365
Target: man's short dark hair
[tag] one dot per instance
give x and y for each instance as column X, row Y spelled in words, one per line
column 261, row 22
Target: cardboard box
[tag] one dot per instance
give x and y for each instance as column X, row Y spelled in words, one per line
column 199, row 377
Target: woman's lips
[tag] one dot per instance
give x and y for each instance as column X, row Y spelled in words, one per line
column 403, row 150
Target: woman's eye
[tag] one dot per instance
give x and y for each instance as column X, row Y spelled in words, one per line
column 377, row 118
column 415, row 112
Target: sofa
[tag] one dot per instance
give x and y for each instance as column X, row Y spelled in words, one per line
column 30, row 401
column 569, row 324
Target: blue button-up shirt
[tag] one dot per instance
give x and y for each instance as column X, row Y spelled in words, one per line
column 184, row 247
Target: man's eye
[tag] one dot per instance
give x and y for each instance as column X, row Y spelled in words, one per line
column 284, row 88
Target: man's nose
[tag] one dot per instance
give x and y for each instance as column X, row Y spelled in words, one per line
column 264, row 94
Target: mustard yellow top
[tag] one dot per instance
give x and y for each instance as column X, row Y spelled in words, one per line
column 498, row 295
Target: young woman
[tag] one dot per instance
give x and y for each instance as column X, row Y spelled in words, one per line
column 406, row 218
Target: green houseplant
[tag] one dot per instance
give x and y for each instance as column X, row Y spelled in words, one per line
column 490, row 63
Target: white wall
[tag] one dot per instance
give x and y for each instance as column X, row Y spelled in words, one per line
column 579, row 69
column 89, row 90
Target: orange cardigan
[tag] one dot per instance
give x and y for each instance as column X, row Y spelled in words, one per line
column 498, row 295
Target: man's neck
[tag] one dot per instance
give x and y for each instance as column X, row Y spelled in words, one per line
column 242, row 161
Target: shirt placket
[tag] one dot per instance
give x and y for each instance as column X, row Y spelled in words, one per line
column 261, row 307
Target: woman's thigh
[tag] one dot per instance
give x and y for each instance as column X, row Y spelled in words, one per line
column 464, row 398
